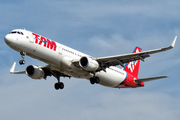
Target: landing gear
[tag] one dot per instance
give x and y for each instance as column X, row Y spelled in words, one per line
column 94, row 80
column 58, row 85
column 22, row 62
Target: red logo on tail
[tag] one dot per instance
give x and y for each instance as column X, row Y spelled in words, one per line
column 133, row 67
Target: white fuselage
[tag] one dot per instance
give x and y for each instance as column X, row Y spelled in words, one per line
column 60, row 58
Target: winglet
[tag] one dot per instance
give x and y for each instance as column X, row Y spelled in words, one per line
column 174, row 41
column 18, row 72
column 13, row 67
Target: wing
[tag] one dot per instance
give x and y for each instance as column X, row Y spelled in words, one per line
column 122, row 59
column 105, row 62
column 47, row 70
column 16, row 72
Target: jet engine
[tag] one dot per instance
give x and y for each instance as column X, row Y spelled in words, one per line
column 35, row 72
column 88, row 64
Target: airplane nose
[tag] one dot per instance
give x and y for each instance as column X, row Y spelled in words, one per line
column 8, row 39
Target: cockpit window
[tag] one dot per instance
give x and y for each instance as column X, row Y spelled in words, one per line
column 13, row 32
column 16, row 32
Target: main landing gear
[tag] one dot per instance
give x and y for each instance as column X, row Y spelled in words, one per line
column 59, row 85
column 94, row 80
column 22, row 62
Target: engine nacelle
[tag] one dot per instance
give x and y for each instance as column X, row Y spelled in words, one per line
column 35, row 72
column 88, row 64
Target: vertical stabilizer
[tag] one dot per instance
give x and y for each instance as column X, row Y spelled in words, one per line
column 133, row 67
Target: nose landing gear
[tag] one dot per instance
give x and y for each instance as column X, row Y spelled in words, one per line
column 22, row 62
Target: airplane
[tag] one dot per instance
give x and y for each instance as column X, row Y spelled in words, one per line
column 63, row 61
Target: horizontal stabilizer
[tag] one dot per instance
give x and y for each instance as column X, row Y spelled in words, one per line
column 16, row 72
column 149, row 79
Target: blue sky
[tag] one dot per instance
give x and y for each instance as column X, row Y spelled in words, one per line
column 98, row 28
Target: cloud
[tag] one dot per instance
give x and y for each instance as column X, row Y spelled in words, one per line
column 99, row 28
column 68, row 104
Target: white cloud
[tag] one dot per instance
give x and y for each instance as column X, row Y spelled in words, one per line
column 96, row 9
column 37, row 100
column 101, row 28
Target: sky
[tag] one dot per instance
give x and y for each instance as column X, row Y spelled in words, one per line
column 99, row 28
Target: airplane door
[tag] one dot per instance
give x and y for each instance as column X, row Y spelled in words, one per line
column 60, row 53
column 60, row 49
column 31, row 40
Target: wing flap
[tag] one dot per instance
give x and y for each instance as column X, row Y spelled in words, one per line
column 149, row 79
column 120, row 60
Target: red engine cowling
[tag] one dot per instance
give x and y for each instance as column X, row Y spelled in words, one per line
column 35, row 72
column 88, row 64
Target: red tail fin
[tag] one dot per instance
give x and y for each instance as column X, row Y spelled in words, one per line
column 133, row 67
